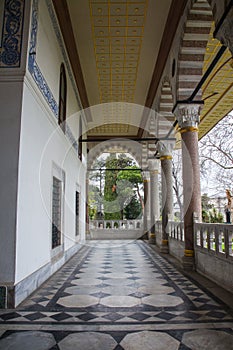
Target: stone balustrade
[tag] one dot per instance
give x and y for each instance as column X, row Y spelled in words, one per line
column 214, row 238
column 176, row 230
column 116, row 229
column 116, row 224
column 213, row 248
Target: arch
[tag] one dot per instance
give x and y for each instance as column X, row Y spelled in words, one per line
column 131, row 147
column 193, row 46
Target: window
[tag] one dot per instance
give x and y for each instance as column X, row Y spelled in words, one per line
column 62, row 98
column 77, row 195
column 80, row 145
column 56, row 213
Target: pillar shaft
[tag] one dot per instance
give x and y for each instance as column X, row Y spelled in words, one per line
column 165, row 152
column 154, row 197
column 154, row 183
column 191, row 186
column 167, row 197
column 187, row 115
column 146, row 183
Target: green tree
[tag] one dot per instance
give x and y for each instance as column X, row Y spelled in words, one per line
column 134, row 177
column 119, row 185
column 133, row 210
column 94, row 201
column 215, row 217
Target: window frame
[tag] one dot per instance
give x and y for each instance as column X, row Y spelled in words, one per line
column 62, row 98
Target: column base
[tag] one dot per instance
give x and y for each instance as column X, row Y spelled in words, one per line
column 188, row 263
column 145, row 235
column 152, row 238
column 164, row 247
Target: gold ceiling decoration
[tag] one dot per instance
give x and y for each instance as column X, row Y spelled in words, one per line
column 218, row 89
column 117, row 30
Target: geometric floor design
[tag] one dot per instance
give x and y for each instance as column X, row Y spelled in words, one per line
column 118, row 295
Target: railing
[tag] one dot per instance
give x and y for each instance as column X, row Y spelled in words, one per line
column 176, row 230
column 216, row 238
column 158, row 227
column 116, row 224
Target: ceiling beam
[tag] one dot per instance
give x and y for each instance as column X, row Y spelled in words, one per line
column 126, row 138
column 175, row 13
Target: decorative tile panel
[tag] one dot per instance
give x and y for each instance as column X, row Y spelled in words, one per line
column 11, row 24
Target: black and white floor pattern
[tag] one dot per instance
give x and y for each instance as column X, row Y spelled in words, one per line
column 118, row 295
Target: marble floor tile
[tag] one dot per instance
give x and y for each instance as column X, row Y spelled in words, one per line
column 120, row 301
column 162, row 300
column 206, row 339
column 28, row 341
column 149, row 341
column 88, row 341
column 78, row 301
column 82, row 290
column 86, row 281
column 156, row 289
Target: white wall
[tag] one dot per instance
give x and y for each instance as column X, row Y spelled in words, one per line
column 43, row 145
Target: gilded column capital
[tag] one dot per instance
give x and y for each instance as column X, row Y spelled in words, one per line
column 188, row 114
column 146, row 176
column 165, row 148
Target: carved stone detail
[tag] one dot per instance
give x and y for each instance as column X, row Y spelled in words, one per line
column 188, row 114
column 165, row 148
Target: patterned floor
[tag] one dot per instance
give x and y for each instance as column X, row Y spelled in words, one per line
column 118, row 295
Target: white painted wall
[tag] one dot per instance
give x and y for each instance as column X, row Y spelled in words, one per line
column 43, row 144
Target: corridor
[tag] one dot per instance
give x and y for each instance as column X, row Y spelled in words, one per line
column 116, row 295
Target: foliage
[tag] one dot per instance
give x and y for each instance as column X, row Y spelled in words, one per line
column 212, row 216
column 94, row 201
column 133, row 177
column 119, row 185
column 133, row 210
column 216, row 157
column 209, row 213
column 215, row 216
column 205, row 202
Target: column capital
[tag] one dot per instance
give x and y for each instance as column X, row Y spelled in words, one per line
column 153, row 166
column 146, row 176
column 165, row 148
column 224, row 30
column 188, row 113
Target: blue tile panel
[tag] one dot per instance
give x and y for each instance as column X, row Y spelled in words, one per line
column 12, row 34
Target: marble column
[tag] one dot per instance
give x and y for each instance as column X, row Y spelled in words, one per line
column 187, row 115
column 146, row 183
column 165, row 153
column 87, row 208
column 154, row 189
